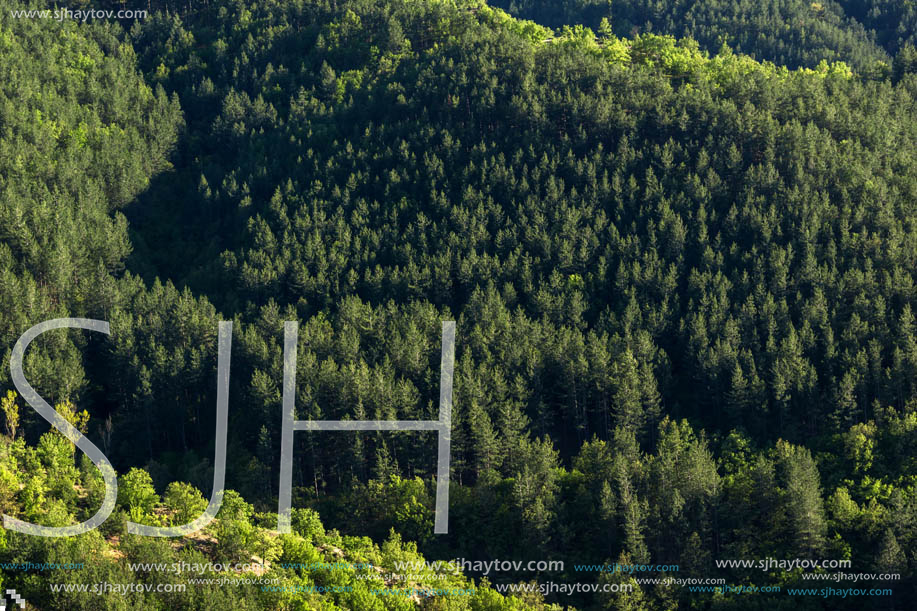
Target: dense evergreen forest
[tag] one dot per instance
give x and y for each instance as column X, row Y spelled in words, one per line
column 794, row 33
column 678, row 239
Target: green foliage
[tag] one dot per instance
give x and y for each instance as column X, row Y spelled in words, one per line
column 185, row 500
column 236, row 535
column 794, row 33
column 137, row 495
column 683, row 283
column 83, row 133
column 11, row 412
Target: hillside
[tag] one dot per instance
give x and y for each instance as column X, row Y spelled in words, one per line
column 683, row 282
column 795, row 33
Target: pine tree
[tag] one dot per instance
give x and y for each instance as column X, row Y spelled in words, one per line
column 632, row 514
column 891, row 558
column 627, row 399
column 484, row 440
column 803, row 500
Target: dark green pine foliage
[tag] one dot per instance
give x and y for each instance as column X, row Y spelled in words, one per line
column 683, row 281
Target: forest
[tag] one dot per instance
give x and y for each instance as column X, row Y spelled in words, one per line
column 678, row 239
column 862, row 33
